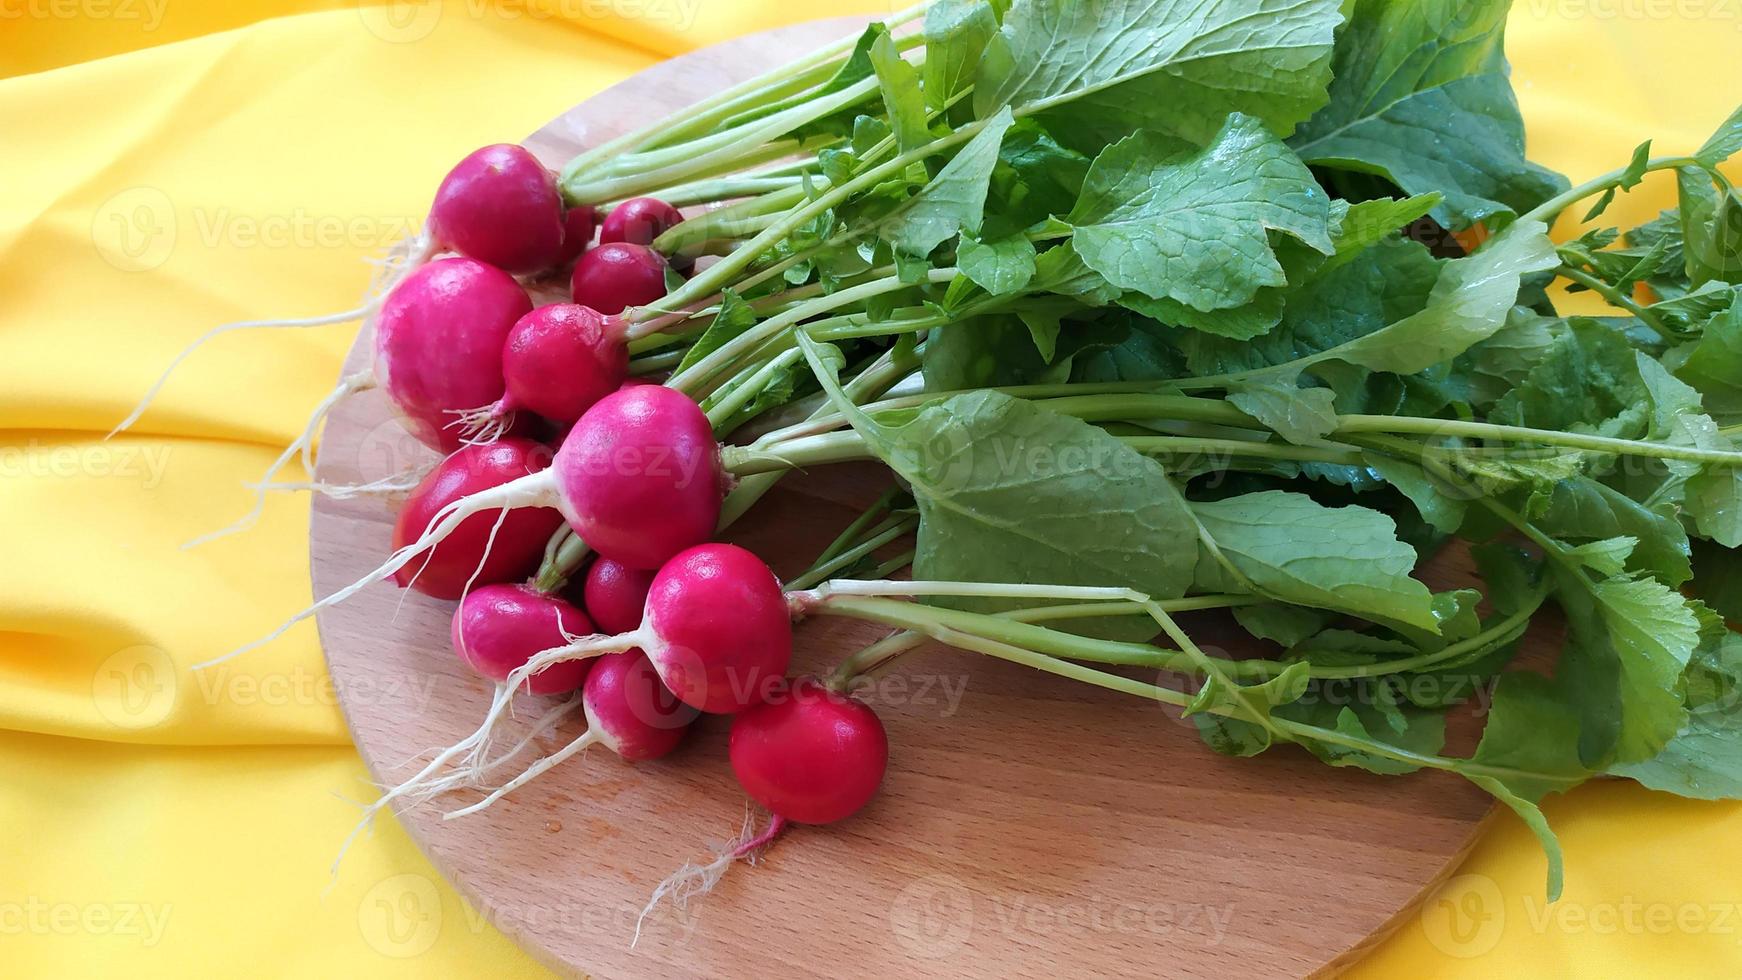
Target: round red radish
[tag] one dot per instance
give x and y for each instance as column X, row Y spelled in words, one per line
column 809, row 755
column 519, row 546
column 616, row 595
column 499, row 627
column 618, row 275
column 717, row 628
column 438, row 344
column 639, row 221
column 639, row 476
column 500, row 205
column 631, row 711
column 578, row 224
column 561, row 359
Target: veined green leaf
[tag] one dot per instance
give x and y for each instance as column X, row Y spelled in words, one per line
column 1301, row 415
column 1195, row 228
column 955, row 200
column 1292, row 548
column 1420, row 97
column 902, row 99
column 1468, row 304
column 1116, row 66
column 1704, row 760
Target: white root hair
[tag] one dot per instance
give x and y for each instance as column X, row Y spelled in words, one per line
column 404, row 259
column 692, row 881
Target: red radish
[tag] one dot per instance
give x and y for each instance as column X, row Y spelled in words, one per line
column 561, row 359
column 639, row 221
column 460, row 557
column 641, row 476
column 809, row 755
column 633, row 712
column 616, row 595
column 500, row 205
column 438, row 344
column 500, row 627
column 578, row 224
column 628, row 711
column 717, row 628
column 618, row 275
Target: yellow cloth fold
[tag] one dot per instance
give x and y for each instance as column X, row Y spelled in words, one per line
column 172, row 165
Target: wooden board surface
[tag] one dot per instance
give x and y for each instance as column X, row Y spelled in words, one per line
column 1028, row 827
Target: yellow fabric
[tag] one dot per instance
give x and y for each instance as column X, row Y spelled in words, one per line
column 171, row 165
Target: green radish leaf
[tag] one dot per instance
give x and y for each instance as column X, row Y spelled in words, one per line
column 1724, row 143
column 1441, row 506
column 1010, row 492
column 956, row 35
column 1579, row 508
column 1469, row 303
column 1635, row 171
column 1106, row 69
column 1420, row 97
column 1628, row 642
column 1240, row 736
column 1001, row 267
column 1369, row 223
column 985, row 352
column 1194, row 228
column 1713, row 364
column 1290, row 547
column 955, row 200
column 1303, row 416
column 1529, row 749
column 1711, row 229
column 902, row 100
column 735, row 317
column 1280, row 623
column 1704, row 759
column 1035, row 179
column 1410, row 729
column 1237, row 323
column 1061, row 269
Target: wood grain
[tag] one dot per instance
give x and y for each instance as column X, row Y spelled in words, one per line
column 1028, row 827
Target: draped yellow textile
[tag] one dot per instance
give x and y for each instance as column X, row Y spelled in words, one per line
column 166, row 165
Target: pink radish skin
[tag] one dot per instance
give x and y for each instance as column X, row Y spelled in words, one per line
column 640, row 476
column 438, row 344
column 631, row 711
column 717, row 628
column 499, row 627
column 616, row 595
column 561, row 359
column 501, row 206
column 618, row 275
column 809, row 755
column 578, row 225
column 639, row 221
column 520, row 541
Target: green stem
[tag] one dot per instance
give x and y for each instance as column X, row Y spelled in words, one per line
column 561, row 562
column 1548, row 210
column 696, row 378
column 896, row 529
column 1347, row 424
column 856, row 529
column 1616, row 298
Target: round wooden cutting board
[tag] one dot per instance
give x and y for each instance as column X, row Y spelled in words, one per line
column 1028, row 827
